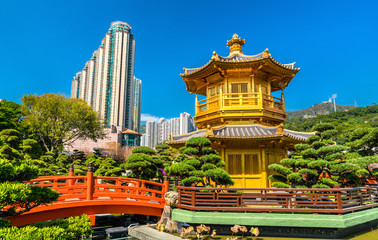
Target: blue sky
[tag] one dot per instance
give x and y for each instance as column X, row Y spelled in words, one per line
column 335, row 43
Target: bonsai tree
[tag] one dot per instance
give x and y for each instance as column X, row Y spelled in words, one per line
column 364, row 141
column 319, row 163
column 17, row 197
column 146, row 163
column 367, row 171
column 105, row 167
column 140, row 163
column 199, row 164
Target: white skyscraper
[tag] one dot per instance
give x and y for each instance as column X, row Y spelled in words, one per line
column 107, row 81
column 143, row 140
column 152, row 134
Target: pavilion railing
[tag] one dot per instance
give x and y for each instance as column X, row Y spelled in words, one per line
column 241, row 101
column 309, row 200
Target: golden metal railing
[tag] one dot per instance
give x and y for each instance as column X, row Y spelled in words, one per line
column 229, row 101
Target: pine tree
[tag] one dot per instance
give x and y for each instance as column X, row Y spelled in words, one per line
column 319, row 163
column 199, row 164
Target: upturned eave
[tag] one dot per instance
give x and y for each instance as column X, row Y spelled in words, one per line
column 195, row 78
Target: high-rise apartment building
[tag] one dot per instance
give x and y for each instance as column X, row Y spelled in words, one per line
column 107, row 81
column 137, row 97
column 152, row 133
column 186, row 123
column 158, row 132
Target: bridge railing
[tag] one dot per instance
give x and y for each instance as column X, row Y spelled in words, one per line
column 334, row 200
column 89, row 187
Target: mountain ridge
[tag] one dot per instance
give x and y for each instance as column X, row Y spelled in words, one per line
column 318, row 109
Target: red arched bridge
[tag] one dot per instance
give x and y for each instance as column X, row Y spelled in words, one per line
column 95, row 195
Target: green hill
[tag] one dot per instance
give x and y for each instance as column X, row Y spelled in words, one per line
column 347, row 120
column 318, row 109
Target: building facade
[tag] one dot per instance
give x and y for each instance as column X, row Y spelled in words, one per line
column 152, row 133
column 159, row 132
column 107, row 80
column 136, row 104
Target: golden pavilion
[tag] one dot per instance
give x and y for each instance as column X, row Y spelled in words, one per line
column 239, row 114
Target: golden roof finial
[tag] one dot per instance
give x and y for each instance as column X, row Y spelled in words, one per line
column 280, row 130
column 236, row 45
column 266, row 53
column 215, row 56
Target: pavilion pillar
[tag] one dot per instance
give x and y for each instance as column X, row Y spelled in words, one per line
column 223, row 155
column 260, row 97
column 283, row 102
column 252, row 83
column 196, row 109
column 264, row 174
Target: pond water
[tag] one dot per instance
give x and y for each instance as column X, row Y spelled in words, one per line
column 370, row 234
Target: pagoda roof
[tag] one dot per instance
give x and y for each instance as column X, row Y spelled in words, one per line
column 241, row 58
column 254, row 131
column 264, row 61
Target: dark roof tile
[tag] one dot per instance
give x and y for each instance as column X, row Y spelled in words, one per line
column 245, row 131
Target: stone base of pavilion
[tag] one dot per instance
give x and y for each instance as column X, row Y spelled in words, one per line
column 304, row 225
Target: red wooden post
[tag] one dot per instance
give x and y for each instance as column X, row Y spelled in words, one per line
column 93, row 219
column 71, row 173
column 142, row 187
column 166, row 185
column 338, row 198
column 90, row 181
column 179, row 195
column 55, row 183
column 193, row 196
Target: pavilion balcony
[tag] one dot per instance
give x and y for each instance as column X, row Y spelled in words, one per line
column 247, row 106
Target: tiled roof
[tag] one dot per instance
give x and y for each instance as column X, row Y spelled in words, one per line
column 243, row 131
column 240, row 57
column 299, row 135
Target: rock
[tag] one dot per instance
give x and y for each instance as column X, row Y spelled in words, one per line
column 150, row 233
column 171, row 198
column 166, row 214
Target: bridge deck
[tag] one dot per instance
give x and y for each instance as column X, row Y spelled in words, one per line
column 96, row 195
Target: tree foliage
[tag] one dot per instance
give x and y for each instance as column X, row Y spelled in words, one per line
column 321, row 163
column 199, row 164
column 146, row 163
column 70, row 228
column 17, row 197
column 57, row 120
column 346, row 123
column 10, row 115
column 364, row 141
